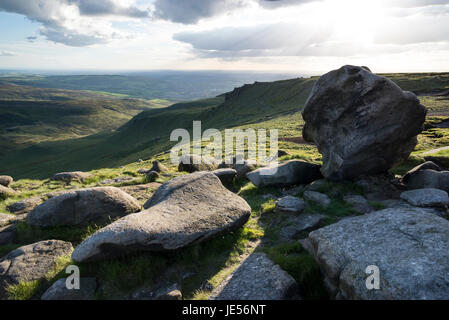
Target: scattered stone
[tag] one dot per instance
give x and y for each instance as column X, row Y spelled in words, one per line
column 152, row 176
column 409, row 246
column 158, row 167
column 5, row 219
column 424, row 166
column 426, row 197
column 83, row 206
column 165, row 292
column 226, row 176
column 362, row 123
column 8, row 234
column 193, row 163
column 244, row 168
column 257, row 278
column 428, row 178
column 141, row 192
column 317, row 185
column 68, row 177
column 59, row 291
column 30, row 262
column 6, row 191
column 293, row 227
column 117, row 180
column 290, row 204
column 139, row 161
column 183, row 211
column 282, row 153
column 143, row 171
column 24, row 206
column 6, row 180
column 294, row 191
column 359, row 203
column 317, row 198
column 287, row 174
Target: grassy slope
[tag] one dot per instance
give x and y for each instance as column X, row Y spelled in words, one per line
column 209, row 263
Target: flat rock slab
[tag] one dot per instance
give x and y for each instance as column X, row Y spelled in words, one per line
column 426, row 197
column 290, row 204
column 59, row 291
column 257, row 278
column 409, row 246
column 183, row 211
column 83, row 206
column 287, row 174
column 31, row 262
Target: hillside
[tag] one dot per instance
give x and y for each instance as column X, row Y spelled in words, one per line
column 30, row 115
column 147, row 134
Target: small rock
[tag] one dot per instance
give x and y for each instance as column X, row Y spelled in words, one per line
column 59, row 291
column 193, row 163
column 317, row 198
column 6, row 180
column 24, row 206
column 359, row 203
column 290, row 173
column 290, row 204
column 30, row 262
column 428, row 178
column 165, row 292
column 158, row 167
column 226, row 176
column 317, row 185
column 293, row 226
column 8, row 234
column 143, row 171
column 152, row 176
column 426, row 197
column 5, row 219
column 68, row 177
column 424, row 166
column 257, row 278
column 117, row 180
column 6, row 191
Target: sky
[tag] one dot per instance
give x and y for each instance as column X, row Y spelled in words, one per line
column 303, row 36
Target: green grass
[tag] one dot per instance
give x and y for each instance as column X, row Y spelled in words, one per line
column 302, row 267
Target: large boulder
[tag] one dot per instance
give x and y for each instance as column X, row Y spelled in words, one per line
column 192, row 163
column 410, row 247
column 287, row 174
column 257, row 278
column 362, row 123
column 6, row 180
column 83, row 206
column 68, row 177
column 30, row 262
column 183, row 211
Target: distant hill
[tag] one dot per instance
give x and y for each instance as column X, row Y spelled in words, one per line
column 30, row 115
column 147, row 133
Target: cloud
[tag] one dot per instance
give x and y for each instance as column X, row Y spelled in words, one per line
column 273, row 4
column 280, row 39
column 7, row 54
column 72, row 22
column 413, row 3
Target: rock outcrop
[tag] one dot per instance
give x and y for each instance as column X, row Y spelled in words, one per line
column 31, row 262
column 409, row 246
column 362, row 123
column 257, row 278
column 183, row 211
column 287, row 174
column 83, row 206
